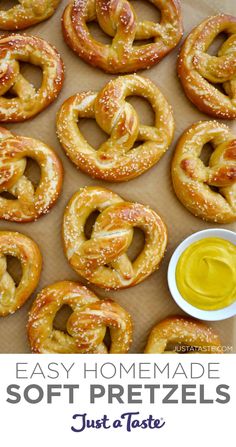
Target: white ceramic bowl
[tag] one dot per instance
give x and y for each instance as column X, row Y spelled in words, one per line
column 210, row 315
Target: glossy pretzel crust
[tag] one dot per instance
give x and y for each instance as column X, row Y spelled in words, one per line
column 27, row 101
column 116, row 160
column 30, row 202
column 102, row 259
column 86, row 326
column 182, row 332
column 117, row 18
column 13, row 296
column 208, row 192
column 27, row 13
column 199, row 72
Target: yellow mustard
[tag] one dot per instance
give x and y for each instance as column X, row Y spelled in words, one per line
column 206, row 273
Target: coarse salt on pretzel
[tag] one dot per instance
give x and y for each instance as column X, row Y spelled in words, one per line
column 117, row 19
column 30, row 202
column 26, row 101
column 179, row 334
column 27, row 13
column 116, row 160
column 201, row 73
column 13, row 296
column 102, row 259
column 209, row 191
column 86, row 327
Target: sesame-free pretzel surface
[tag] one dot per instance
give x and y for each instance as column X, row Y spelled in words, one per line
column 102, row 259
column 201, row 73
column 209, row 191
column 27, row 13
column 25, row 100
column 179, row 334
column 86, row 327
column 29, row 201
column 117, row 19
column 13, row 296
column 116, row 160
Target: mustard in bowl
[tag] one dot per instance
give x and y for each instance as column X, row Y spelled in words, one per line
column 202, row 274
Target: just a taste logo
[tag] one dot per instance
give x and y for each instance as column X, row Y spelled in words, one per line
column 129, row 421
column 83, row 389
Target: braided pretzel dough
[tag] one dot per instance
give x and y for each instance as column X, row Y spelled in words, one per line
column 12, row 297
column 27, row 13
column 30, row 203
column 117, row 18
column 27, row 101
column 102, row 259
column 193, row 181
column 199, row 71
column 86, row 327
column 174, row 332
column 116, row 160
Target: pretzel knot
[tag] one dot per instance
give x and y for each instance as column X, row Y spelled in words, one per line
column 201, row 73
column 117, row 19
column 102, row 259
column 29, row 202
column 116, row 160
column 178, row 335
column 86, row 327
column 25, row 101
column 27, row 13
column 209, row 191
column 13, row 296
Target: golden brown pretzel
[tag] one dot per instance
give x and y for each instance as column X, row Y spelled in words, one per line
column 86, row 326
column 208, row 192
column 116, row 160
column 199, row 72
column 102, row 259
column 182, row 335
column 13, row 296
column 29, row 203
column 27, row 101
column 117, row 18
column 27, row 13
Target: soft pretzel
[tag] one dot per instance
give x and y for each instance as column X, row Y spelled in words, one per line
column 116, row 160
column 183, row 335
column 30, row 202
column 27, row 101
column 201, row 73
column 27, row 13
column 86, row 326
column 117, row 19
column 102, row 259
column 209, row 191
column 13, row 296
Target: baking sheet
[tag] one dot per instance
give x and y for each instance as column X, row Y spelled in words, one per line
column 150, row 301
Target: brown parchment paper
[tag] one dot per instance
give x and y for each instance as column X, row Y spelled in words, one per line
column 150, row 301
